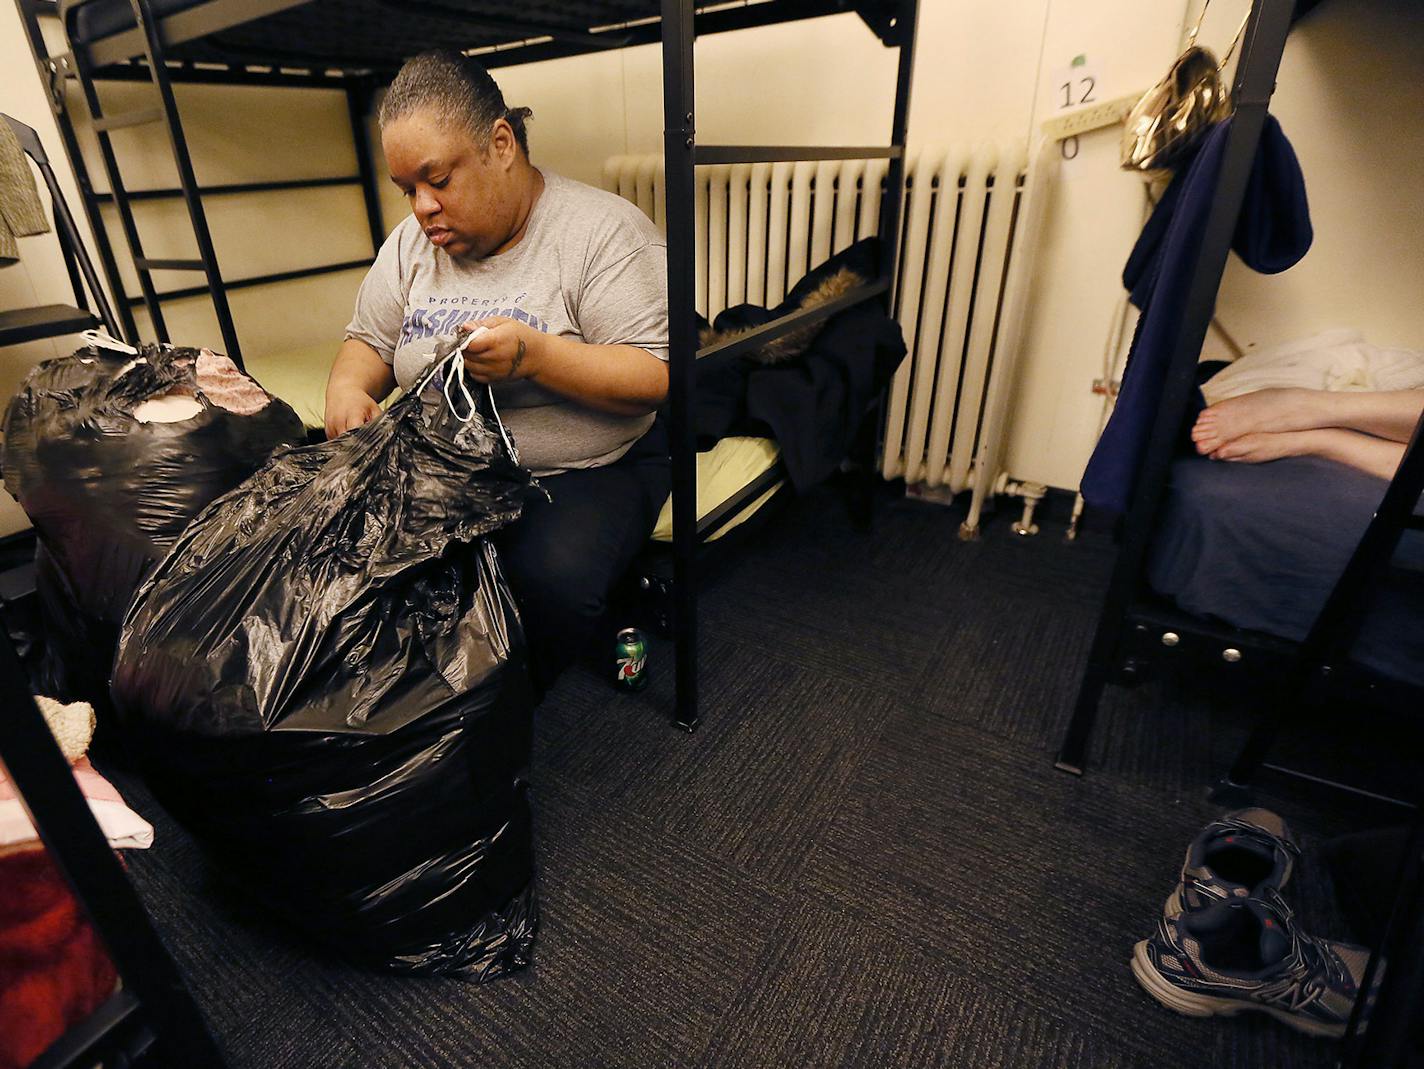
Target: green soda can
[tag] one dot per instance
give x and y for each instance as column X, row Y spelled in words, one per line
column 632, row 658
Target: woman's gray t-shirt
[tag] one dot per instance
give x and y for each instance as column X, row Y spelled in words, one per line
column 591, row 266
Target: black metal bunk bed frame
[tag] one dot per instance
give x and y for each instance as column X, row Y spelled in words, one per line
column 1135, row 629
column 145, row 51
column 154, row 1014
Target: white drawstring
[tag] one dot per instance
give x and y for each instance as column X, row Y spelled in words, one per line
column 494, row 410
column 454, row 376
column 453, row 367
column 102, row 339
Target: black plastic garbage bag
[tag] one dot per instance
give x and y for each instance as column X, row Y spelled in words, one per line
column 326, row 680
column 108, row 493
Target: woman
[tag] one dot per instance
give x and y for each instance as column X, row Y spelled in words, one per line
column 571, row 283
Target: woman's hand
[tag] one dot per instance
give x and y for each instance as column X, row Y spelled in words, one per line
column 506, row 351
column 348, row 407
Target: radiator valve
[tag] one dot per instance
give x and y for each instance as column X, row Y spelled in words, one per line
column 1032, row 494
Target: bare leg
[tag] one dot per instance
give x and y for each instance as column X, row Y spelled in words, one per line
column 1376, row 456
column 1391, row 415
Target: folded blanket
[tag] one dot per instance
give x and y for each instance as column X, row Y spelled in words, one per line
column 124, row 828
column 73, row 727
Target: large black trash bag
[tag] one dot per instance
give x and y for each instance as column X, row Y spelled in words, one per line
column 108, row 494
column 326, row 679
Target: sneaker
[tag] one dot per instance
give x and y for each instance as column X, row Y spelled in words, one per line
column 1234, row 956
column 1242, row 855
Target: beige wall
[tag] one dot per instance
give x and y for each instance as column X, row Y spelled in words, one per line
column 1348, row 98
column 983, row 71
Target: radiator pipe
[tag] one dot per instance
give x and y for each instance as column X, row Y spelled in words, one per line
column 1031, row 493
column 1073, row 520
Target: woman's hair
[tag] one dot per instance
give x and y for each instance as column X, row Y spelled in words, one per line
column 456, row 87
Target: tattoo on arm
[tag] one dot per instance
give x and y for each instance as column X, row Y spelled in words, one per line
column 518, row 359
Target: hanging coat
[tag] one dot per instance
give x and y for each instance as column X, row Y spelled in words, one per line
column 1272, row 233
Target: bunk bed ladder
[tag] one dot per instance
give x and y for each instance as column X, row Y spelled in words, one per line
column 1261, row 51
column 54, row 71
column 167, row 112
column 682, row 155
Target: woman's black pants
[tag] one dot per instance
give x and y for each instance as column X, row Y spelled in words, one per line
column 564, row 555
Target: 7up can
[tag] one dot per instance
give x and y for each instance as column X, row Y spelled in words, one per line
column 632, row 659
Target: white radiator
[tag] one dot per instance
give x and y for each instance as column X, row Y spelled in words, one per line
column 970, row 222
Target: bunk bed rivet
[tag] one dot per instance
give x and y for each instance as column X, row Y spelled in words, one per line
column 688, row 142
column 645, row 583
column 688, row 120
column 1231, row 655
column 1170, row 638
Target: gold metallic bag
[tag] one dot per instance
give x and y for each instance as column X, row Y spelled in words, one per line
column 1166, row 124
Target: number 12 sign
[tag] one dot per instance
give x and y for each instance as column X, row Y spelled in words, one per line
column 1074, row 86
column 1077, row 84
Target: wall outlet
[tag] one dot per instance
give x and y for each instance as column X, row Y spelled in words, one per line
column 1089, row 117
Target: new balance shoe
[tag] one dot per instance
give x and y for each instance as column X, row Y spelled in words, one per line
column 1242, row 955
column 1242, row 855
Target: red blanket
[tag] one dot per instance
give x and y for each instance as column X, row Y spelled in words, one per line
column 54, row 971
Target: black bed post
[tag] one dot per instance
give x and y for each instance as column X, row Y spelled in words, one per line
column 358, row 106
column 891, row 207
column 55, row 71
column 866, row 446
column 679, row 145
column 1255, row 81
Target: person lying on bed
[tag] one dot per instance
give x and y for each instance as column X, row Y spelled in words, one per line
column 1364, row 430
column 572, row 283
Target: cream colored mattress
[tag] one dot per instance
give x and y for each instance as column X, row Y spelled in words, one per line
column 297, row 376
column 721, row 472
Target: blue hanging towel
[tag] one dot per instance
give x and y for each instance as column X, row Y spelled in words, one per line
column 1272, row 234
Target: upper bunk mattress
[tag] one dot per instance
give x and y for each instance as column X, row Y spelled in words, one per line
column 1260, row 546
column 379, row 34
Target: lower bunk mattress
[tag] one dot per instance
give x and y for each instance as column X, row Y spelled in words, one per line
column 1260, row 546
column 298, row 376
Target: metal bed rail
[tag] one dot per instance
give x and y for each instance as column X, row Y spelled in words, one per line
column 681, row 157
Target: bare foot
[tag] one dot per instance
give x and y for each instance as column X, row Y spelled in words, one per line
column 1265, row 410
column 1261, row 446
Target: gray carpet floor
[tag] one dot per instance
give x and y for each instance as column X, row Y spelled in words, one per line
column 864, row 857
